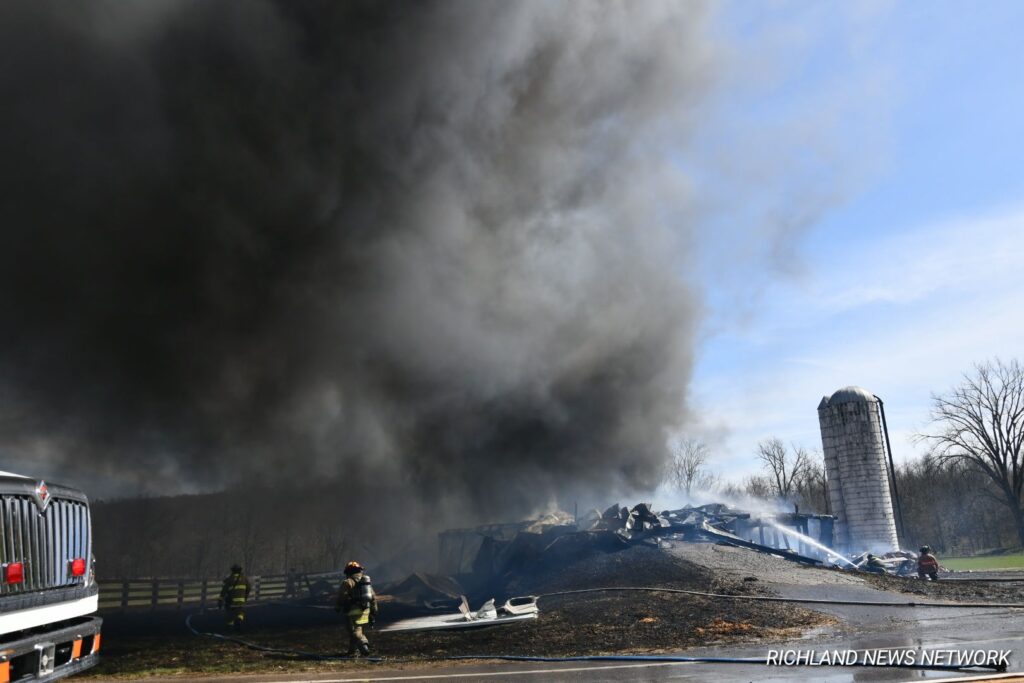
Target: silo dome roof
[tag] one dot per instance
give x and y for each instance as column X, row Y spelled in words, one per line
column 852, row 394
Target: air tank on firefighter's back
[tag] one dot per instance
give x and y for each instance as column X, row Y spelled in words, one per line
column 854, row 445
column 365, row 590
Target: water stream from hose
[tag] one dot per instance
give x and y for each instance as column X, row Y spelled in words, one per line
column 804, row 538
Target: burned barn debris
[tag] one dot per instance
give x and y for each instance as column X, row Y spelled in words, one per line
column 896, row 562
column 514, row 610
column 491, row 560
column 489, row 564
column 480, row 558
column 427, row 590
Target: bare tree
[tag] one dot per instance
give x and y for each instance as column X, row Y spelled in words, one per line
column 812, row 488
column 981, row 423
column 249, row 537
column 754, row 486
column 333, row 542
column 686, row 468
column 758, row 487
column 785, row 469
column 972, row 520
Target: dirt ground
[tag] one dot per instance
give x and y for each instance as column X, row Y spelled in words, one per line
column 148, row 644
column 952, row 589
column 596, row 623
column 739, row 563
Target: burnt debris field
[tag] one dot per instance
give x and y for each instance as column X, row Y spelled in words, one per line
column 300, row 636
column 598, row 623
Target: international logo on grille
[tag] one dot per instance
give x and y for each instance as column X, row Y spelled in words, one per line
column 42, row 496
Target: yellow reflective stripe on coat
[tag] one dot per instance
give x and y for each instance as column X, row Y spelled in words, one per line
column 236, row 591
column 362, row 616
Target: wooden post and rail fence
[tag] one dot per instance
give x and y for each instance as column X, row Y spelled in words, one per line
column 168, row 593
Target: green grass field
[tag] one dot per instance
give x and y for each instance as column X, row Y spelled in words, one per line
column 988, row 562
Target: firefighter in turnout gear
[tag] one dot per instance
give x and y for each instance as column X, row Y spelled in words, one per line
column 875, row 565
column 233, row 595
column 927, row 565
column 357, row 601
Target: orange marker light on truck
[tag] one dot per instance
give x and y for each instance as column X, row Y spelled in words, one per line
column 14, row 572
column 78, row 567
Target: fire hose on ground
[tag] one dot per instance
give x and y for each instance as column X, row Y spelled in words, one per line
column 639, row 658
column 265, row 648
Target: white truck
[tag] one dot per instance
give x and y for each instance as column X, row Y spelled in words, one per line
column 48, row 590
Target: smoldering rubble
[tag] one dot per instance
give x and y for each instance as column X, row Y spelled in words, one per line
column 491, row 560
column 499, row 559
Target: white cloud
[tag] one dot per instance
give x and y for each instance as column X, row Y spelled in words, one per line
column 903, row 315
column 966, row 255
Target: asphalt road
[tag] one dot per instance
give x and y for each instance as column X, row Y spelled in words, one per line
column 863, row 628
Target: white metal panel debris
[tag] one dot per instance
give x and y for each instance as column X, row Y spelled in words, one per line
column 514, row 609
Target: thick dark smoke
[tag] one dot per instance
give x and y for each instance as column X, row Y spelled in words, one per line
column 421, row 242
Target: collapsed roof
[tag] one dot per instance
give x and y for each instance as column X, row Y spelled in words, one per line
column 483, row 553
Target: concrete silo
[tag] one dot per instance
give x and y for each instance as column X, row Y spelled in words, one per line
column 858, row 478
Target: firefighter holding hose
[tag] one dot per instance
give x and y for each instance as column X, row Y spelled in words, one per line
column 875, row 565
column 357, row 601
column 233, row 595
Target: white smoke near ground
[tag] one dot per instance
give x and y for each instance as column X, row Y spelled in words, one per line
column 668, row 497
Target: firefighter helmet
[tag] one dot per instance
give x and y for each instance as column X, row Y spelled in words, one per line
column 925, row 549
column 353, row 567
column 236, row 567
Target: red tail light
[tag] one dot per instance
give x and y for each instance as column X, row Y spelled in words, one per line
column 78, row 567
column 14, row 572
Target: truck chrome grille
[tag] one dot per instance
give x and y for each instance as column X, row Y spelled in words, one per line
column 45, row 543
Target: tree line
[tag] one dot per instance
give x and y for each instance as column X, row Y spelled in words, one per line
column 964, row 495
column 267, row 529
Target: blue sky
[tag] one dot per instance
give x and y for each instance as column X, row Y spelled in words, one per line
column 874, row 151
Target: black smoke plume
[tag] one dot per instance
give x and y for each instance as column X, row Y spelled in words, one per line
column 424, row 243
